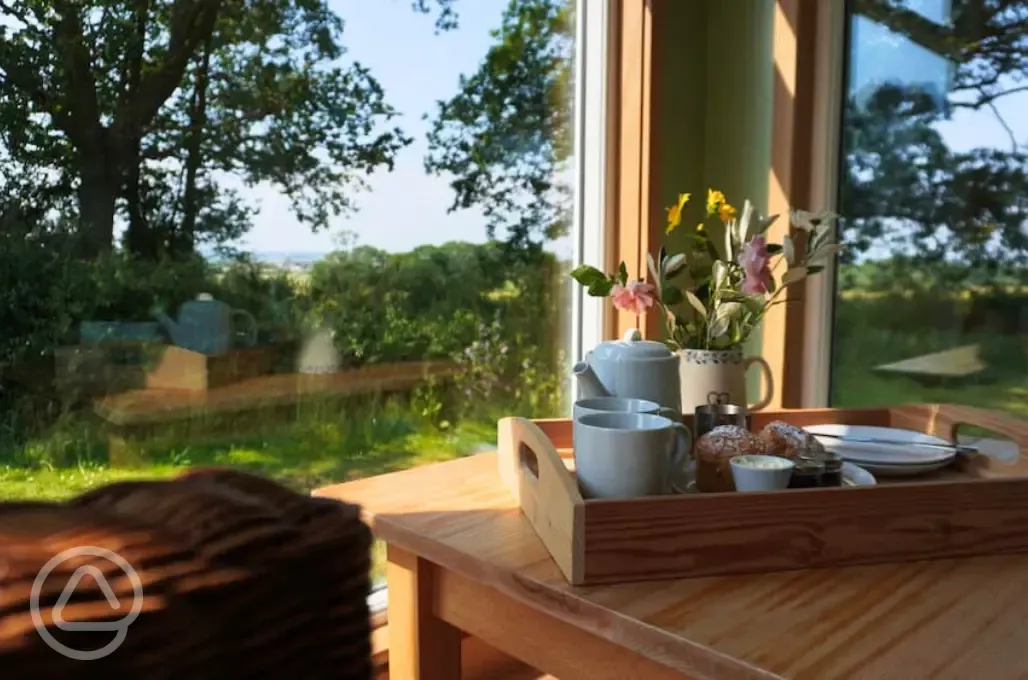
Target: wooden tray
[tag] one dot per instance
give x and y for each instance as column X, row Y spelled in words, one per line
column 978, row 506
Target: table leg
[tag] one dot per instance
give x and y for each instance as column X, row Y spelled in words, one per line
column 421, row 645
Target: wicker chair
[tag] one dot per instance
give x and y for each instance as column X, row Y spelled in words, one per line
column 241, row 578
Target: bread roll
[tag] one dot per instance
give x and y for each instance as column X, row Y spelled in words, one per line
column 716, row 448
column 787, row 440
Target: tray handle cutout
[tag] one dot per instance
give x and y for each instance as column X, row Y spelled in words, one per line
column 531, row 468
column 529, row 463
column 1001, row 438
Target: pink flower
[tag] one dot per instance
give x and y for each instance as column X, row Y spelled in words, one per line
column 636, row 296
column 755, row 262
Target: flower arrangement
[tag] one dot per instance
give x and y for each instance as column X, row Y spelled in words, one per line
column 714, row 293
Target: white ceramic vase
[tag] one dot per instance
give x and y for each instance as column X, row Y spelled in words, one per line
column 719, row 377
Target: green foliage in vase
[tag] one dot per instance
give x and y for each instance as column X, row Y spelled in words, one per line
column 714, row 293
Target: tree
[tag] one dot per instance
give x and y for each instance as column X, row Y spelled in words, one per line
column 907, row 191
column 506, row 136
column 139, row 105
column 905, row 188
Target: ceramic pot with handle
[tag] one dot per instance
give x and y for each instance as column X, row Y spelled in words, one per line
column 631, row 368
column 208, row 326
column 719, row 377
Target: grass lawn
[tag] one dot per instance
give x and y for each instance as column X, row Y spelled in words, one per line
column 312, row 452
column 323, row 446
column 873, row 333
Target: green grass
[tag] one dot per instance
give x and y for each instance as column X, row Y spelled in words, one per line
column 320, row 448
column 873, row 332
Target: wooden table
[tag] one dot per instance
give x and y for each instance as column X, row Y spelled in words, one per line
column 462, row 558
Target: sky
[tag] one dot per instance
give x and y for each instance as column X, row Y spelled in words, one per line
column 416, row 67
column 881, row 56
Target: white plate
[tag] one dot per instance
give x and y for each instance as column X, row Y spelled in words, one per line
column 888, row 455
column 856, row 475
column 903, row 470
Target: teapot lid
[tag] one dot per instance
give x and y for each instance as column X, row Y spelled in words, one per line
column 630, row 347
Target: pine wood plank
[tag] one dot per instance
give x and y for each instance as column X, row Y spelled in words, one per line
column 421, row 646
column 952, row 618
column 978, row 511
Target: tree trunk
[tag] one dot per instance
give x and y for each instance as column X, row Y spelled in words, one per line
column 186, row 241
column 140, row 239
column 97, row 198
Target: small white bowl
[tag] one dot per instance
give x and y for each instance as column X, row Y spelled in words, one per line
column 761, row 473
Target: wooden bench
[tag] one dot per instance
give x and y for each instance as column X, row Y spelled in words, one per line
column 960, row 362
column 135, row 414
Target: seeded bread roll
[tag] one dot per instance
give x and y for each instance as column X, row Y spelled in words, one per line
column 716, row 448
column 787, row 440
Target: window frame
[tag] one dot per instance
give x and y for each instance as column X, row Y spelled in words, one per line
column 596, row 115
column 594, row 99
column 829, row 88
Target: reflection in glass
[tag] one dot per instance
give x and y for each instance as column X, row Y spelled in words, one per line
column 315, row 240
column 932, row 300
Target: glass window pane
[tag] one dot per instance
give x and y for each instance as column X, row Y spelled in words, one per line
column 932, row 294
column 317, row 240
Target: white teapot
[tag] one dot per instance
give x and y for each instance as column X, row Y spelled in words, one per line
column 633, row 368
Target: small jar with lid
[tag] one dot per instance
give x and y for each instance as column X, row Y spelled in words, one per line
column 808, row 470
column 832, row 473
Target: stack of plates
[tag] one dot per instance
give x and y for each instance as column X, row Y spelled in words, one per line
column 893, row 460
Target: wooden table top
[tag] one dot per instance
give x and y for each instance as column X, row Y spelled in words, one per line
column 943, row 619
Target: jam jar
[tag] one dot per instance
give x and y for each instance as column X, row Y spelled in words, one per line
column 832, row 473
column 807, row 472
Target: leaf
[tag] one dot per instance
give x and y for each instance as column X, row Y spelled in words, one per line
column 623, row 273
column 600, row 287
column 742, row 228
column 722, row 342
column 825, row 252
column 672, row 296
column 728, row 310
column 719, row 327
column 674, row 265
column 814, row 269
column 801, row 219
column 793, row 275
column 754, row 303
column 774, row 249
column 789, row 249
column 695, row 303
column 653, row 269
column 720, row 273
column 765, row 223
column 586, row 275
column 719, row 238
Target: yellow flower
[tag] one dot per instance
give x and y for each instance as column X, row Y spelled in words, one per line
column 726, row 212
column 714, row 200
column 674, row 213
column 699, row 227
